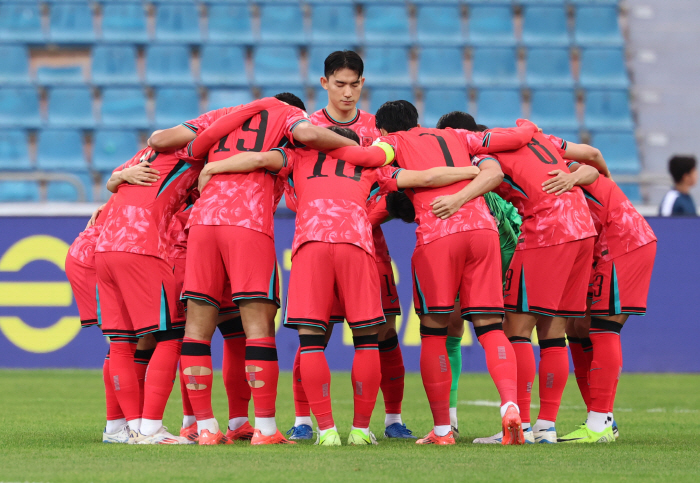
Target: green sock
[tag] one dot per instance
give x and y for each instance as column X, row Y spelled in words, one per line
column 454, row 352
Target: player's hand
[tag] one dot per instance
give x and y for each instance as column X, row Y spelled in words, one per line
column 94, row 216
column 204, row 177
column 141, row 174
column 561, row 183
column 446, row 206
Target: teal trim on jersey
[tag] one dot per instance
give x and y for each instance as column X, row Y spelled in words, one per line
column 179, row 172
column 291, row 129
column 424, row 306
column 589, row 196
column 190, row 127
column 99, row 311
column 524, row 306
column 188, row 207
column 487, row 158
column 270, row 293
column 328, row 114
column 507, row 179
column 616, row 291
column 163, row 310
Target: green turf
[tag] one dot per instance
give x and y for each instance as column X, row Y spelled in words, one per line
column 52, row 421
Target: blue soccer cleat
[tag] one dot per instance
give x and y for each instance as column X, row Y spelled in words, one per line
column 398, row 430
column 303, row 431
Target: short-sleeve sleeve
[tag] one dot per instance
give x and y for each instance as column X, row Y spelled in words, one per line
column 386, row 177
column 558, row 143
column 480, row 158
column 198, row 124
column 295, row 116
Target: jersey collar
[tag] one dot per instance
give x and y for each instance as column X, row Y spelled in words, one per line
column 343, row 124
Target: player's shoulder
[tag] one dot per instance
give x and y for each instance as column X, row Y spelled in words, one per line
column 318, row 117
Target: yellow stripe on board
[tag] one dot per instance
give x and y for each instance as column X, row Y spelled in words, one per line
column 35, row 294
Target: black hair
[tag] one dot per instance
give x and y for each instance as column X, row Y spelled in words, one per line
column 395, row 116
column 291, row 99
column 481, row 128
column 679, row 166
column 399, row 206
column 457, row 120
column 343, row 59
column 345, row 132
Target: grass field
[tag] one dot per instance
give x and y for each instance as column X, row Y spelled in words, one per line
column 52, row 421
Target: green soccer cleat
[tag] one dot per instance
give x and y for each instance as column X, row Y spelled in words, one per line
column 584, row 435
column 330, row 438
column 357, row 437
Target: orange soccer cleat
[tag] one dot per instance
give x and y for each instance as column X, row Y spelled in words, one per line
column 190, row 432
column 207, row 438
column 512, row 427
column 277, row 438
column 244, row 433
column 432, row 438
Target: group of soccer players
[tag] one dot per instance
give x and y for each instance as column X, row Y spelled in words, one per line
column 514, row 228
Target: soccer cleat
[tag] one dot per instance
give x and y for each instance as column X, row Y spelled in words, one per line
column 455, row 432
column 529, row 435
column 244, row 433
column 495, row 439
column 546, row 436
column 161, row 437
column 432, row 438
column 398, row 430
column 207, row 438
column 358, row 437
column 190, row 432
column 277, row 438
column 330, row 438
column 512, row 427
column 135, row 436
column 303, row 431
column 120, row 436
column 584, row 435
column 616, row 431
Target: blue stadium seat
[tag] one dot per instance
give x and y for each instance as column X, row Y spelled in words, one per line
column 494, row 67
column 545, row 25
column 554, row 109
column 387, row 66
column 439, row 25
column 272, row 91
column 14, row 150
column 441, row 101
column 60, row 76
column 619, row 150
column 317, row 55
column 548, row 67
column 603, row 68
column 608, row 109
column 333, row 23
column 498, row 107
column 597, row 25
column 276, row 66
column 19, row 107
column 124, row 107
column 223, row 65
column 631, row 191
column 60, row 149
column 230, row 23
column 441, row 67
column 571, row 135
column 377, row 97
column 218, row 98
column 594, row 2
column 282, row 23
column 20, row 22
column 114, row 65
column 175, row 106
column 65, row 191
column 112, row 148
column 70, row 107
column 18, row 191
column 14, row 68
column 177, row 22
column 386, row 24
column 71, row 23
column 168, row 65
column 124, row 22
column 491, row 25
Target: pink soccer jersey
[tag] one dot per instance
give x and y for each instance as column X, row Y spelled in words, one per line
column 202, row 122
column 83, row 247
column 363, row 124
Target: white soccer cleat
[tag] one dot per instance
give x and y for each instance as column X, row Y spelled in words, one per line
column 162, row 436
column 121, row 436
column 546, row 436
column 495, row 439
column 529, row 436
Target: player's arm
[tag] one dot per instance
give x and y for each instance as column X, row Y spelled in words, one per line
column 562, row 181
column 490, row 176
column 379, row 154
column 583, row 153
column 319, row 138
column 243, row 163
column 141, row 174
column 434, row 177
column 501, row 139
column 173, row 138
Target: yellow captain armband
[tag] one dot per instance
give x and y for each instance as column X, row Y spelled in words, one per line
column 388, row 151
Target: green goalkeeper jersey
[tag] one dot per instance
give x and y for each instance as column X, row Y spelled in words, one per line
column 509, row 222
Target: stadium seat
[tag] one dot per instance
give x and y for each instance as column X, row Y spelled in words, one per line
column 20, row 22
column 631, row 191
column 14, row 150
column 554, row 109
column 124, row 22
column 573, row 136
column 218, row 98
column 276, row 66
column 377, row 97
column 441, row 101
column 387, row 66
column 71, row 23
column 229, row 23
column 272, row 91
column 60, row 76
column 316, row 57
column 175, row 106
column 223, row 65
column 386, row 24
column 282, row 23
column 441, row 67
column 494, row 67
column 332, row 23
column 491, row 25
column 498, row 107
column 19, row 107
column 124, row 107
column 14, row 68
column 439, row 25
column 603, row 68
column 608, row 109
column 112, row 148
column 177, row 22
column 60, row 149
column 65, row 191
column 168, row 65
column 545, row 25
column 70, row 107
column 114, row 65
column 619, row 150
column 548, row 67
column 597, row 25
column 18, row 191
